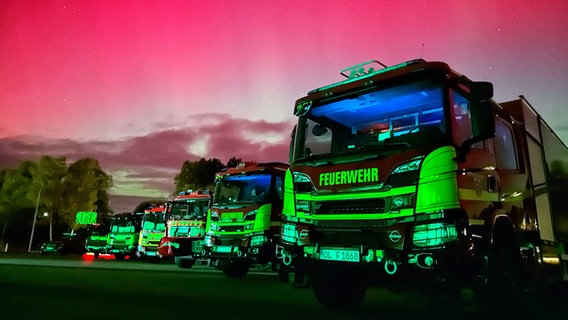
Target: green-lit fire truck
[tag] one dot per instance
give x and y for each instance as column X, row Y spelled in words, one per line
column 152, row 231
column 243, row 224
column 412, row 174
column 123, row 235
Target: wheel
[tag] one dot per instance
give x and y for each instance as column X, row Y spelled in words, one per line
column 502, row 277
column 283, row 273
column 235, row 269
column 338, row 290
column 184, row 263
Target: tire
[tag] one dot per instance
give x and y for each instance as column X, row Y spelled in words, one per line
column 184, row 263
column 235, row 269
column 337, row 290
column 283, row 272
column 503, row 286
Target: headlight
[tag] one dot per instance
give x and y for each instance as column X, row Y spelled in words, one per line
column 302, row 182
column 303, row 205
column 434, row 234
column 257, row 241
column 405, row 174
column 288, row 232
column 251, row 215
column 408, row 166
column 209, row 241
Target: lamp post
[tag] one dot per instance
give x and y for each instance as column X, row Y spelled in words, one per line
column 45, row 214
column 34, row 222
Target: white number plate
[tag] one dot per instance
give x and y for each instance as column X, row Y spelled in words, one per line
column 224, row 249
column 347, row 255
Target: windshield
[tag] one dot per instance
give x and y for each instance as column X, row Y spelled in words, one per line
column 242, row 188
column 189, row 209
column 400, row 116
column 179, row 231
column 154, row 222
column 122, row 226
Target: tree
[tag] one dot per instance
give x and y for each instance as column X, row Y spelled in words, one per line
column 197, row 174
column 48, row 176
column 14, row 200
column 55, row 188
column 86, row 189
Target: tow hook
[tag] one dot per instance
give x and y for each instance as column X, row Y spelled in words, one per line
column 390, row 267
column 286, row 258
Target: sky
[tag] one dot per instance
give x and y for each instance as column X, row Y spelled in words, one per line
column 143, row 86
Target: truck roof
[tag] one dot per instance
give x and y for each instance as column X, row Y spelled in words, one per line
column 364, row 75
column 193, row 195
column 253, row 166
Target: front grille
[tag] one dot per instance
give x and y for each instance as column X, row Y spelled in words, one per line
column 350, row 206
column 232, row 228
column 349, row 238
column 355, row 223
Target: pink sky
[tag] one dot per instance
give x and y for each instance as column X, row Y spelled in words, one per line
column 145, row 85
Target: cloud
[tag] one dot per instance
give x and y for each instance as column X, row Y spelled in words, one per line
column 145, row 166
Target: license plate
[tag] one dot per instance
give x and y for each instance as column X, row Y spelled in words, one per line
column 347, row 255
column 224, row 249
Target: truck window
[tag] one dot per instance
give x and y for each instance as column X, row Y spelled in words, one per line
column 505, row 155
column 461, row 116
column 318, row 139
column 279, row 188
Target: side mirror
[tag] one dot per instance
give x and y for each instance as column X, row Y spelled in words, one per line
column 481, row 91
column 482, row 114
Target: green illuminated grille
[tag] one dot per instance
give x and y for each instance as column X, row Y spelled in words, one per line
column 350, row 206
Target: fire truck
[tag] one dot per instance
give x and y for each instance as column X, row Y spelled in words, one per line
column 123, row 234
column 243, row 224
column 97, row 237
column 186, row 216
column 412, row 174
column 152, row 231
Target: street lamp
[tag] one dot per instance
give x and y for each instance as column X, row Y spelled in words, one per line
column 45, row 214
column 34, row 223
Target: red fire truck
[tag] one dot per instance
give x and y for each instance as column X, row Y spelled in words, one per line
column 412, row 174
column 185, row 227
column 243, row 224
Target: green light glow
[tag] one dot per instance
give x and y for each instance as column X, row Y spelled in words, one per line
column 409, row 166
column 437, row 187
column 434, row 234
column 289, row 232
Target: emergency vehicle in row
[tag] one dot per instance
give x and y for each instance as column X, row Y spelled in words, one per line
column 413, row 174
column 186, row 216
column 123, row 234
column 243, row 225
column 152, row 231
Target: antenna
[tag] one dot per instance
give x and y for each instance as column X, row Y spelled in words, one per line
column 422, row 51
